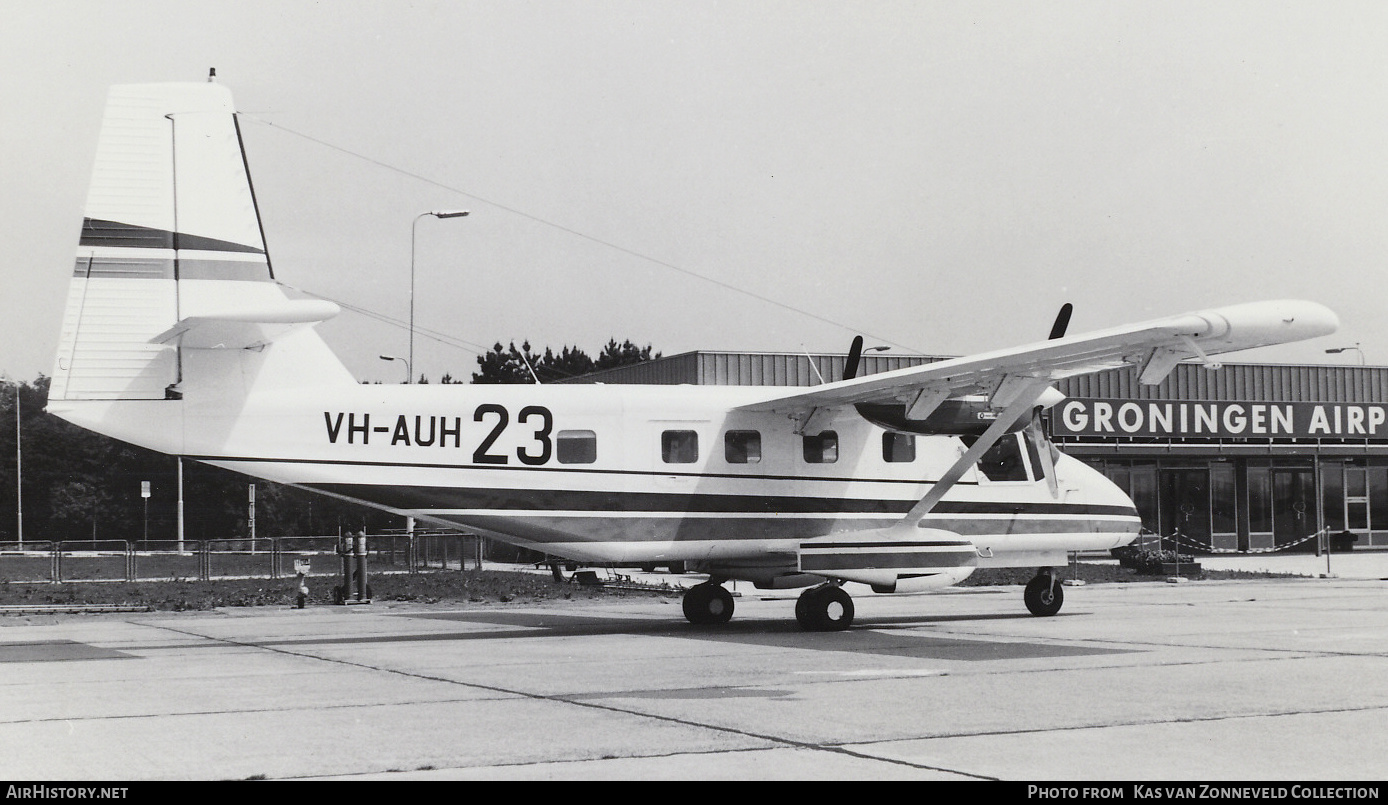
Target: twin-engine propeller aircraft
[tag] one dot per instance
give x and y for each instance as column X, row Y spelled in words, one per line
column 177, row 338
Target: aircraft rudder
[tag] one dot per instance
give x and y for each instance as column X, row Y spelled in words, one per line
column 171, row 233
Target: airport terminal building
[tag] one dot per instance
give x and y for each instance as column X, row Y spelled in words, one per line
column 1245, row 458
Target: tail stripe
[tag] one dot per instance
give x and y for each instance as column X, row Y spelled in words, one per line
column 98, row 233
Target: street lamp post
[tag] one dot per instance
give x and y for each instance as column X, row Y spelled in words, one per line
column 18, row 462
column 1338, row 350
column 408, row 373
column 18, row 471
column 413, row 227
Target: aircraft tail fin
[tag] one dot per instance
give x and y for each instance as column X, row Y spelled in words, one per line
column 172, row 258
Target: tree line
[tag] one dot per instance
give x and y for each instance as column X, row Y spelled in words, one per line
column 80, row 485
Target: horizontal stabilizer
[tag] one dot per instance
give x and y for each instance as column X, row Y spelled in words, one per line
column 247, row 327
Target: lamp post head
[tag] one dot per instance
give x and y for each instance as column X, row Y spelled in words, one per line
column 408, row 369
column 449, row 213
column 1355, row 348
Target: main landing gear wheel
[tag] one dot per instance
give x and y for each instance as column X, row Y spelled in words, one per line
column 1044, row 595
column 824, row 609
column 708, row 603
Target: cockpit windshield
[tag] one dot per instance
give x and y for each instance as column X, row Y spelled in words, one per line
column 1015, row 457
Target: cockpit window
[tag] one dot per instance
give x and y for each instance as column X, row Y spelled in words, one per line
column 898, row 447
column 1004, row 461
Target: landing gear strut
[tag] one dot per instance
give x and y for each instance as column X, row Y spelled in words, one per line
column 1043, row 594
column 708, row 603
column 826, row 608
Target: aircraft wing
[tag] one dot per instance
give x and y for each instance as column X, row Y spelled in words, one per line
column 1005, row 375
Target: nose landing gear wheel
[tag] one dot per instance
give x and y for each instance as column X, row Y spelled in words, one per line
column 708, row 603
column 1043, row 596
column 824, row 609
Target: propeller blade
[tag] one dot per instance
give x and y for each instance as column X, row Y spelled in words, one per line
column 1062, row 321
column 1043, row 452
column 855, row 353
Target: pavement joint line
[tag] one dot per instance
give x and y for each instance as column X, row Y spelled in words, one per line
column 707, row 753
column 1150, row 644
column 134, row 716
column 1142, row 723
column 590, row 705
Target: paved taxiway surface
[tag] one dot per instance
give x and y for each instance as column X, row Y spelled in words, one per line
column 1249, row 680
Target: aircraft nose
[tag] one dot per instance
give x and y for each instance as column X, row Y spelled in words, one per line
column 1100, row 490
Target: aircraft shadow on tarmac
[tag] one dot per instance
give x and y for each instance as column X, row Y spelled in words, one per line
column 886, row 636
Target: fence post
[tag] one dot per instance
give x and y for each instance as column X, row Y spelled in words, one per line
column 129, row 561
column 55, row 565
column 204, row 562
column 274, row 558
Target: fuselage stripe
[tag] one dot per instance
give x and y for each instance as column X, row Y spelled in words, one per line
column 329, row 462
column 539, row 501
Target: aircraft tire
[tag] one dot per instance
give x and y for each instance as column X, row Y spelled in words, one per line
column 707, row 604
column 1043, row 598
column 824, row 609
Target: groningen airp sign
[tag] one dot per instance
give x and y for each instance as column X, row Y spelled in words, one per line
column 1222, row 419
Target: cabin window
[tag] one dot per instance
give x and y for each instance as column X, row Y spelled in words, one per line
column 742, row 447
column 1003, row 461
column 898, row 447
column 822, row 449
column 576, row 446
column 679, row 446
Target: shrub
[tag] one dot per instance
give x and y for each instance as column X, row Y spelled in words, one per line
column 1148, row 561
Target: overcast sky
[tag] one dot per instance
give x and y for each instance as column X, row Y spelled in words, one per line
column 940, row 176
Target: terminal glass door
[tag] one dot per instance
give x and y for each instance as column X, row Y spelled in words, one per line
column 1224, row 519
column 1260, row 502
column 1356, row 499
column 1185, row 506
column 1293, row 505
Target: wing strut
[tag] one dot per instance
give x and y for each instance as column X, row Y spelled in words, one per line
column 1024, row 395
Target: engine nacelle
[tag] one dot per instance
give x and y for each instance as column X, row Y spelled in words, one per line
column 959, row 416
column 953, row 417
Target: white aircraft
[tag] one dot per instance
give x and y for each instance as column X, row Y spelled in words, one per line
column 177, row 338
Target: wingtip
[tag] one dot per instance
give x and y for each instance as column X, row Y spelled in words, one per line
column 1271, row 322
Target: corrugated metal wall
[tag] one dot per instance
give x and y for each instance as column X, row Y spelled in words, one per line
column 670, row 371
column 1257, row 382
column 748, row 369
column 782, row 369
